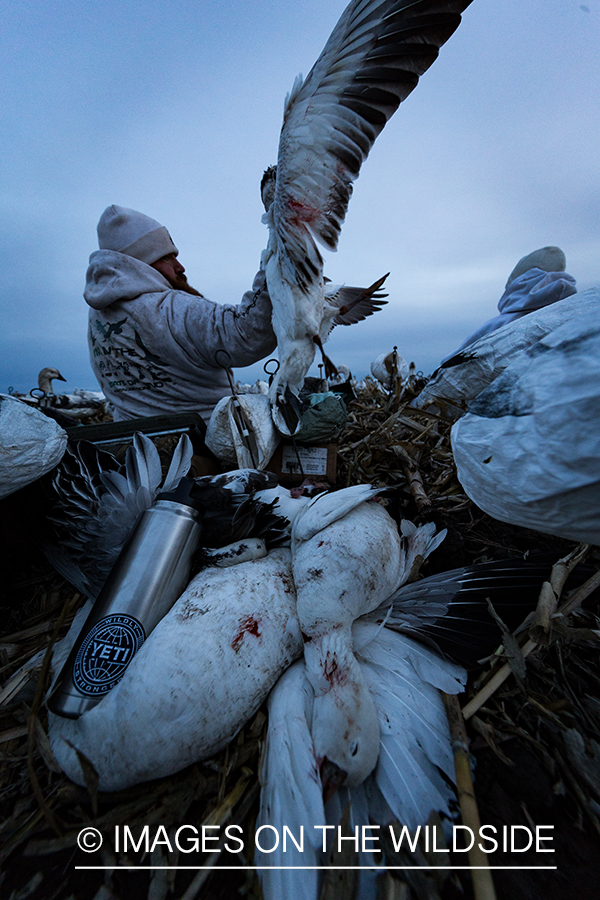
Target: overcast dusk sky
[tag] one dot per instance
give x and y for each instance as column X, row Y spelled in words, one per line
column 174, row 108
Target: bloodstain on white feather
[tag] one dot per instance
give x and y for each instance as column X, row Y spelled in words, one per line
column 249, row 625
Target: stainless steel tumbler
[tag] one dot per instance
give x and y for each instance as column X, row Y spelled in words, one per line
column 150, row 573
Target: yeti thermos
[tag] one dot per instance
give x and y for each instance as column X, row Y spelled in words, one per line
column 150, row 573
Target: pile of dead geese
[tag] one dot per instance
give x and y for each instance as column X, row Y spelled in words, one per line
column 312, row 683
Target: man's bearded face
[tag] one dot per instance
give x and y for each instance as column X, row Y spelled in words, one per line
column 170, row 267
column 180, row 283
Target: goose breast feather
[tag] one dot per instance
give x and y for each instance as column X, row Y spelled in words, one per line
column 189, row 690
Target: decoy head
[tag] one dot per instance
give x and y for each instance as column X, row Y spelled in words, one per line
column 46, row 377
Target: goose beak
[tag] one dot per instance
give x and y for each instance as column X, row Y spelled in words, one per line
column 332, row 778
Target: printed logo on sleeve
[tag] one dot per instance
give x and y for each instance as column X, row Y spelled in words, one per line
column 106, row 652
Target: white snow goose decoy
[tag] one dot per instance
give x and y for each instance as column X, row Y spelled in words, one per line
column 528, row 449
column 371, row 62
column 30, row 444
column 462, row 377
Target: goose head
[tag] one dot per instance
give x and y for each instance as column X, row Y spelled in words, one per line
column 345, row 723
column 267, row 186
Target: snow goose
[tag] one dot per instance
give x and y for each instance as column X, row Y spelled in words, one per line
column 347, row 558
column 219, row 650
column 407, row 784
column 214, row 657
column 344, row 305
column 414, row 772
column 371, row 62
column 197, row 679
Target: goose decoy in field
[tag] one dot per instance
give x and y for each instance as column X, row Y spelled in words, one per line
column 63, row 408
column 77, row 405
column 371, row 62
column 45, row 378
column 528, row 449
column 30, row 444
column 389, row 368
column 538, row 280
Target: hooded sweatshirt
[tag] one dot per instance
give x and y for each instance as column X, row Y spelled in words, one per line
column 155, row 349
column 532, row 290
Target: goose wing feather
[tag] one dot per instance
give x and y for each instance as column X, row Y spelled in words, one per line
column 142, row 465
column 371, row 62
column 450, row 610
column 291, row 788
column 405, row 680
column 180, row 463
column 98, row 503
column 355, row 304
column 324, row 509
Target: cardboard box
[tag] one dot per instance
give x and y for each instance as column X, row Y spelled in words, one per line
column 318, row 459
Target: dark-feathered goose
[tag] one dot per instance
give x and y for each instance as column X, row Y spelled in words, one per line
column 96, row 503
column 371, row 62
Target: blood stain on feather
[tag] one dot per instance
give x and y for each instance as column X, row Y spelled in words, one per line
column 248, row 625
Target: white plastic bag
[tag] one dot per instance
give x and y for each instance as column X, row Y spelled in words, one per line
column 227, row 440
column 528, row 450
column 30, row 444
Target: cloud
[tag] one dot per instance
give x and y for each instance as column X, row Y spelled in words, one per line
column 175, row 109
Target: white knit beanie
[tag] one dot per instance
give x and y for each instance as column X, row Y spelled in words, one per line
column 134, row 234
column 550, row 259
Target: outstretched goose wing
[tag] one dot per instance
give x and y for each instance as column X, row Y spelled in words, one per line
column 405, row 680
column 371, row 62
column 353, row 304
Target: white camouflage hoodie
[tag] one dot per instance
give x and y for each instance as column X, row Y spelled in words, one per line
column 153, row 349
